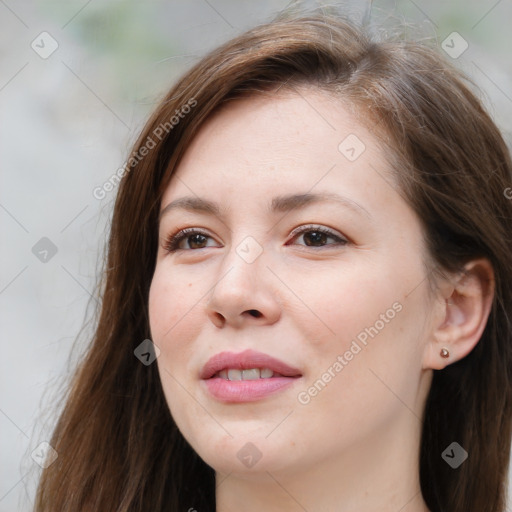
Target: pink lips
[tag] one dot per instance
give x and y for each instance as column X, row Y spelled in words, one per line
column 246, row 390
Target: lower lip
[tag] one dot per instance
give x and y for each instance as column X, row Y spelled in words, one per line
column 246, row 390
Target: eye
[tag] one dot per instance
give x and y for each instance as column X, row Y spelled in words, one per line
column 316, row 236
column 194, row 237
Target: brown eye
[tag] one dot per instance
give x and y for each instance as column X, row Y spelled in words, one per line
column 196, row 240
column 317, row 236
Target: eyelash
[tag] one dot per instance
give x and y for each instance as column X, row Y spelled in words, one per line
column 172, row 242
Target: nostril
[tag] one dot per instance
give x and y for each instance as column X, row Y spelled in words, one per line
column 255, row 313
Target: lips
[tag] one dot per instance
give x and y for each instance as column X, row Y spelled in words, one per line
column 230, row 387
column 244, row 361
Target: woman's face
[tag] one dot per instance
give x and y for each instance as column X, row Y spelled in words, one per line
column 312, row 258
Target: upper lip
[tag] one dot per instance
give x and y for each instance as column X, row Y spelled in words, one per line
column 245, row 360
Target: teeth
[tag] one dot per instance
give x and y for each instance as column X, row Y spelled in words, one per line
column 234, row 375
column 252, row 374
column 248, row 374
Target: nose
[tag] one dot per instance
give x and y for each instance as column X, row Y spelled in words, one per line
column 244, row 293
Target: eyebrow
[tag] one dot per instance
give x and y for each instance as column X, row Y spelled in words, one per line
column 279, row 204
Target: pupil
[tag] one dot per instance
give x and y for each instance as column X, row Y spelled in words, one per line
column 197, row 239
column 318, row 238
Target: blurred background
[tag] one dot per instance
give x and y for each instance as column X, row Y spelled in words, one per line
column 78, row 79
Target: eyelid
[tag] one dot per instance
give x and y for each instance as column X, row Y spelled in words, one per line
column 319, row 227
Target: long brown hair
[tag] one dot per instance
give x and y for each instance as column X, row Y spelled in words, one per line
column 119, row 448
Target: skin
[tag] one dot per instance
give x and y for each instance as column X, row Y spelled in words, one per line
column 354, row 445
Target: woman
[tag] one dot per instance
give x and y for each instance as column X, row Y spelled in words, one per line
column 307, row 298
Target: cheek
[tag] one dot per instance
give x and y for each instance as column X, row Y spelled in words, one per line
column 173, row 317
column 169, row 298
column 174, row 314
column 346, row 302
column 382, row 358
column 366, row 318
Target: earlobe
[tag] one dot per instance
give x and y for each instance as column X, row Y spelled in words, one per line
column 444, row 353
column 463, row 313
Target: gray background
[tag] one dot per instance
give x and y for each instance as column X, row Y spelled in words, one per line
column 67, row 122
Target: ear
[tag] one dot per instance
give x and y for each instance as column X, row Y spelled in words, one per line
column 461, row 314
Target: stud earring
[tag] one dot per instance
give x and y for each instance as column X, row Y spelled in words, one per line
column 445, row 353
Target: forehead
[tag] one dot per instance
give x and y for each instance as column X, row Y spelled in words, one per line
column 303, row 139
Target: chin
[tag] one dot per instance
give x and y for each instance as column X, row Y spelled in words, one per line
column 244, row 456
